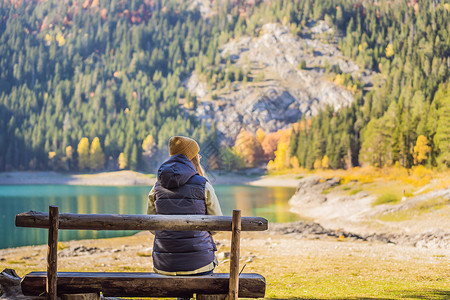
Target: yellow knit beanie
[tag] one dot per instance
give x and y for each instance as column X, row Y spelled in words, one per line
column 183, row 145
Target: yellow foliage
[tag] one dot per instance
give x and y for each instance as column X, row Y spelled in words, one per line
column 317, row 163
column 69, row 152
column 271, row 166
column 339, row 80
column 293, row 162
column 83, row 153
column 148, row 144
column 421, row 150
column 389, row 50
column 281, row 156
column 48, row 39
column 96, row 157
column 362, row 47
column 416, row 8
column 325, row 162
column 60, row 39
column 122, row 161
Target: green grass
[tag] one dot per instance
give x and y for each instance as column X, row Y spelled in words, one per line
column 346, row 188
column 326, row 191
column 386, row 199
column 355, row 191
column 420, row 208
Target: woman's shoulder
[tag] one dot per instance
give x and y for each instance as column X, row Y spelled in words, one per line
column 198, row 179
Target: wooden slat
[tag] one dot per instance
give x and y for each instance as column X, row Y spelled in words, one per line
column 144, row 284
column 234, row 255
column 52, row 253
column 139, row 222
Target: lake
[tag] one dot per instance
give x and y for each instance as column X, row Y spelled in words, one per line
column 268, row 202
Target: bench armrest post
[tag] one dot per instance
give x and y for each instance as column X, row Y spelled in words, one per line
column 234, row 255
column 52, row 253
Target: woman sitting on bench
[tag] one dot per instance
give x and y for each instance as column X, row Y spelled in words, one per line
column 182, row 189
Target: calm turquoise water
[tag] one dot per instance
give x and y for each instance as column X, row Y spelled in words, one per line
column 267, row 202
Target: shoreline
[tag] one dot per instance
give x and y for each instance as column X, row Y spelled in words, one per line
column 131, row 178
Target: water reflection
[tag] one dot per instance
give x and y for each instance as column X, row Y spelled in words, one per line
column 270, row 203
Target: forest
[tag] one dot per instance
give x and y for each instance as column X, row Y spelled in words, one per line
column 99, row 85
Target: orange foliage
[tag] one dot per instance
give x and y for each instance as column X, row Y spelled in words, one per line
column 103, row 14
column 85, row 4
column 270, row 142
column 260, row 135
column 248, row 147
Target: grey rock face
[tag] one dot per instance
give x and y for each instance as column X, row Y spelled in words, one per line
column 286, row 92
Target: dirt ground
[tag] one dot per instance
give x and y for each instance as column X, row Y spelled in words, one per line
column 295, row 267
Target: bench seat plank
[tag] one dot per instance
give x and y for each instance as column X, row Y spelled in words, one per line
column 138, row 284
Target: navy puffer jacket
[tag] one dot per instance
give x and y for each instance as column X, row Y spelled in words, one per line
column 181, row 191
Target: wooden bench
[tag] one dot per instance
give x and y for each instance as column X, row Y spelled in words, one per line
column 139, row 284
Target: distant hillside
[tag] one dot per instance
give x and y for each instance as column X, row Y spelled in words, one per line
column 102, row 85
column 290, row 77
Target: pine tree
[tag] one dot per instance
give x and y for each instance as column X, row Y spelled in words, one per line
column 441, row 106
column 134, row 159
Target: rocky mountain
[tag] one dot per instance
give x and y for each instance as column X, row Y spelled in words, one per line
column 286, row 92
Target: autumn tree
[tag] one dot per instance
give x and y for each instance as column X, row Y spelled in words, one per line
column 96, row 156
column 325, row 162
column 83, row 153
column 260, row 135
column 149, row 148
column 281, row 160
column 122, row 160
column 269, row 145
column 389, row 50
column 248, row 147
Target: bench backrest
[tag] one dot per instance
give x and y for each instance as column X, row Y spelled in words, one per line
column 55, row 221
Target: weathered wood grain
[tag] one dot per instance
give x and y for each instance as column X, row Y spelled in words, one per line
column 234, row 255
column 144, row 284
column 52, row 253
column 139, row 222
